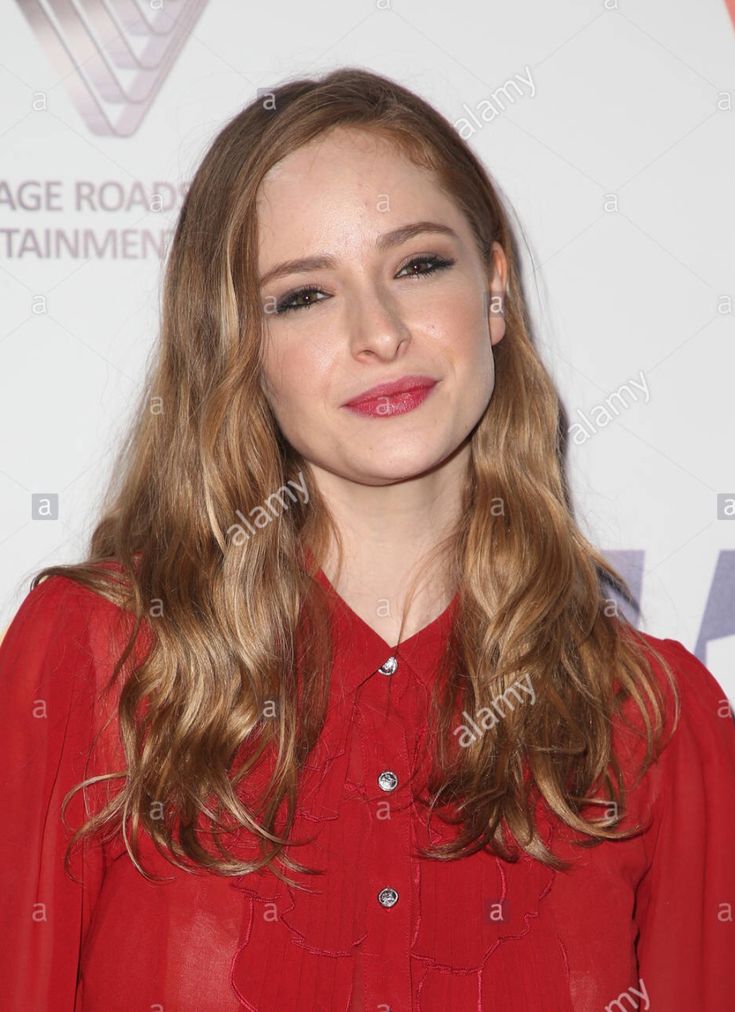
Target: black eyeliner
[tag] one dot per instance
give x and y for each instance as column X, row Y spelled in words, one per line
column 439, row 263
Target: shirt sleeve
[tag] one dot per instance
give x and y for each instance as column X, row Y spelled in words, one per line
column 46, row 718
column 685, row 904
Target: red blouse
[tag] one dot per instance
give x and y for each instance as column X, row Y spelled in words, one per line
column 646, row 923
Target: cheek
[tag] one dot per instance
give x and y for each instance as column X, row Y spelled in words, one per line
column 464, row 337
column 295, row 374
column 468, row 351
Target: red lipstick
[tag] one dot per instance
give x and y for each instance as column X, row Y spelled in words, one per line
column 395, row 398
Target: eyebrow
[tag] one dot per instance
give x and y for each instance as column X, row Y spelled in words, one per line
column 386, row 241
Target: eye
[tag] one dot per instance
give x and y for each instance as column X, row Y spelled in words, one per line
column 436, row 263
column 287, row 304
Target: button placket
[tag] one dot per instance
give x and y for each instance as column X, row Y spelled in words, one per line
column 388, row 897
column 388, row 917
column 387, row 780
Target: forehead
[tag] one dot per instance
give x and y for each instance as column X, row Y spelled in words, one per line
column 346, row 181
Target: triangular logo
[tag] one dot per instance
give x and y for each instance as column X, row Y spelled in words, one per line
column 113, row 56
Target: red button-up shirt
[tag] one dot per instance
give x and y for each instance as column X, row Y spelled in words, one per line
column 645, row 923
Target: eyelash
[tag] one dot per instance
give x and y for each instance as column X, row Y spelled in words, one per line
column 438, row 263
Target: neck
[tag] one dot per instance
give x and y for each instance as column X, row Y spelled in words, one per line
column 387, row 533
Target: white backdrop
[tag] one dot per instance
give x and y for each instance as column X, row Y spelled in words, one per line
column 610, row 130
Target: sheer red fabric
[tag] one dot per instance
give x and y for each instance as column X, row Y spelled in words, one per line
column 647, row 922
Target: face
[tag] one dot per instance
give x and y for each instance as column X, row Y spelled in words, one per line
column 382, row 303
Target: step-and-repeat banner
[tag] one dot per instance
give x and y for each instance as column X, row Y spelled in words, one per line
column 609, row 128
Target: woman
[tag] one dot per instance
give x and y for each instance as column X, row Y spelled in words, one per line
column 356, row 725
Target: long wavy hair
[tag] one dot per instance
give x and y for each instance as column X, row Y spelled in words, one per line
column 237, row 625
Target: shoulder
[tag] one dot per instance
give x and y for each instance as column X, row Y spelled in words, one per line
column 703, row 702
column 56, row 592
column 59, row 674
column 698, row 722
column 677, row 791
column 65, row 603
column 61, row 623
column 50, row 609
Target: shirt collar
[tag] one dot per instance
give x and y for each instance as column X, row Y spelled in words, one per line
column 359, row 651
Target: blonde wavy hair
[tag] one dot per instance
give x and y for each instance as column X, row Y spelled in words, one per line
column 227, row 618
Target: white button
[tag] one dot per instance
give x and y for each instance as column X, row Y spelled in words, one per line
column 389, row 667
column 387, row 780
column 387, row 897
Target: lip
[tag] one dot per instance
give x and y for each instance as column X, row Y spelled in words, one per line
column 399, row 386
column 396, row 398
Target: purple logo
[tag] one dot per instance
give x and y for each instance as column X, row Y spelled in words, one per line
column 113, row 56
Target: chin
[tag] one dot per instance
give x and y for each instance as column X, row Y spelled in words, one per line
column 400, row 468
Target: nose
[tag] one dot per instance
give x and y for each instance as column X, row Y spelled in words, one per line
column 375, row 323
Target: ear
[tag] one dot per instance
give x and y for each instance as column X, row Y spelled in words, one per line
column 496, row 294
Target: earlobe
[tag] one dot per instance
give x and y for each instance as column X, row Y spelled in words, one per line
column 497, row 329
